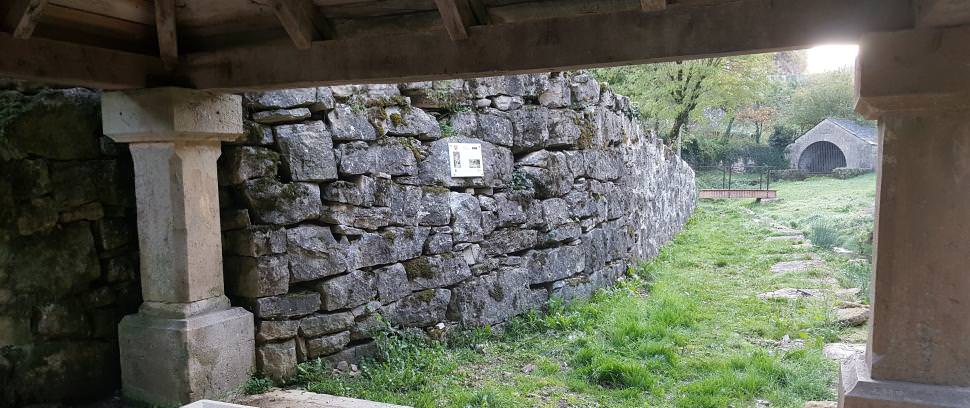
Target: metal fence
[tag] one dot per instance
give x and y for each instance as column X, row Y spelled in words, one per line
column 734, row 177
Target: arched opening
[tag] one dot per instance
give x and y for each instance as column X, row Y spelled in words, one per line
column 821, row 157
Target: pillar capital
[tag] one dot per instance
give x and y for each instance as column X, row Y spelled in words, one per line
column 171, row 115
column 913, row 71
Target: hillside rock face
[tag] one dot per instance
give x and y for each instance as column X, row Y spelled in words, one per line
column 378, row 231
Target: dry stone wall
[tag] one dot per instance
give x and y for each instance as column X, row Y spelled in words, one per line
column 68, row 247
column 340, row 213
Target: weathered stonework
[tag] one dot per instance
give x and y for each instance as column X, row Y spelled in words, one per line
column 68, row 248
column 574, row 191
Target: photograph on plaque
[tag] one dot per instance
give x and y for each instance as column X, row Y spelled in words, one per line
column 466, row 160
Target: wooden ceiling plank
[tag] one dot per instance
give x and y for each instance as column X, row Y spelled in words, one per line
column 299, row 18
column 480, row 12
column 942, row 13
column 138, row 11
column 72, row 64
column 653, row 5
column 22, row 15
column 594, row 40
column 456, row 16
column 165, row 25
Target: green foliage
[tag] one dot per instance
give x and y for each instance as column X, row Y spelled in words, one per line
column 824, row 233
column 446, row 129
column 714, row 152
column 822, row 96
column 858, row 274
column 781, row 137
column 257, row 385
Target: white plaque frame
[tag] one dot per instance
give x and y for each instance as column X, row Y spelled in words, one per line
column 465, row 160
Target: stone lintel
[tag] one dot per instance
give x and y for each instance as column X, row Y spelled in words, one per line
column 913, row 71
column 857, row 389
column 171, row 115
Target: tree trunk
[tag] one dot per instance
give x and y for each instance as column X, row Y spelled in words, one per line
column 730, row 126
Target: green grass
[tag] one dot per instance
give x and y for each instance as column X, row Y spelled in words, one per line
column 684, row 330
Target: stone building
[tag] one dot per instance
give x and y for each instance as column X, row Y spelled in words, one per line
column 835, row 143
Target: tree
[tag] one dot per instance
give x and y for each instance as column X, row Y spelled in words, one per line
column 677, row 93
column 821, row 96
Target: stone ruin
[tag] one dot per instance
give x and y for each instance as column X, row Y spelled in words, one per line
column 339, row 213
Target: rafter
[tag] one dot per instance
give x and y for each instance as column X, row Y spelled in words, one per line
column 22, row 17
column 167, row 33
column 653, row 5
column 456, row 16
column 302, row 22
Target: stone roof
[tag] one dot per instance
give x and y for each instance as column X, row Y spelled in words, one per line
column 868, row 134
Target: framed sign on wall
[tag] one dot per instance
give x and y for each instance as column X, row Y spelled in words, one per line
column 466, row 160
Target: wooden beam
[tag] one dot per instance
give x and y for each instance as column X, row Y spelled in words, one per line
column 596, row 40
column 916, row 70
column 22, row 15
column 72, row 64
column 942, row 13
column 653, row 5
column 302, row 21
column 456, row 16
column 480, row 11
column 167, row 33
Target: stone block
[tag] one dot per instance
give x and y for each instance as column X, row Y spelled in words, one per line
column 28, row 178
column 320, row 324
column 288, row 306
column 307, row 151
column 558, row 94
column 204, row 356
column 554, row 264
column 411, row 122
column 494, row 298
column 390, row 283
column 275, row 330
column 254, row 241
column 240, row 163
column 272, row 202
column 36, row 216
column 435, row 207
column 510, row 240
column 466, row 218
column 439, row 242
column 531, row 128
column 346, row 291
column 404, row 202
column 326, row 345
column 87, row 212
column 256, row 277
column 41, row 370
column 313, row 253
column 60, row 262
column 348, row 125
column 421, row 309
column 369, row 218
column 280, row 99
column 429, row 272
column 278, row 116
column 113, row 233
column 585, row 90
column 56, row 124
column 61, row 320
column 435, row 168
column 507, row 103
column 79, row 182
column 396, row 156
column 495, row 127
column 277, row 361
column 359, row 192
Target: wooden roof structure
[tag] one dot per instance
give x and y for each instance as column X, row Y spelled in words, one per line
column 262, row 44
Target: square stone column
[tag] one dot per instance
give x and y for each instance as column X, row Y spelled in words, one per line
column 917, row 84
column 186, row 342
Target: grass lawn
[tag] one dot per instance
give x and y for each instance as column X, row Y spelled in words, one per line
column 683, row 330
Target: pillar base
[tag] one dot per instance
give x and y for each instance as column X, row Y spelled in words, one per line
column 176, row 361
column 858, row 390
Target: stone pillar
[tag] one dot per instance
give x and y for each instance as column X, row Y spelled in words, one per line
column 917, row 84
column 186, row 342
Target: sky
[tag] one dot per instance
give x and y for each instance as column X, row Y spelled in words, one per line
column 826, row 58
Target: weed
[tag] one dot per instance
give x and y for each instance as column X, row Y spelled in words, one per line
column 257, row 385
column 824, row 234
